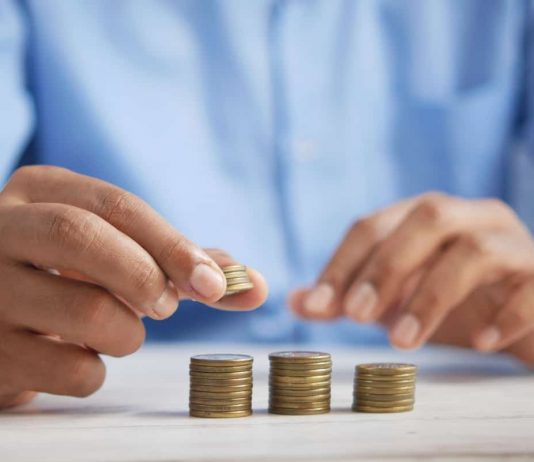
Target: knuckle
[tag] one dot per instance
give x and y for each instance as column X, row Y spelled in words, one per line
column 86, row 374
column 173, row 250
column 366, row 228
column 388, row 267
column 432, row 208
column 69, row 229
column 119, row 206
column 475, row 244
column 146, row 277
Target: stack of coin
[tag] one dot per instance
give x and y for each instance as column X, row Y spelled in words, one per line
column 221, row 386
column 237, row 279
column 384, row 387
column 299, row 383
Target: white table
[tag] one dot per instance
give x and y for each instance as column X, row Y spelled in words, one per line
column 468, row 406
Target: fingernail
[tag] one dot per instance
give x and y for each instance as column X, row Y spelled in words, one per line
column 167, row 303
column 361, row 302
column 488, row 338
column 207, row 281
column 319, row 298
column 405, row 332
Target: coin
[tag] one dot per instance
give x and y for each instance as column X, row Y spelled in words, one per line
column 283, row 391
column 298, row 356
column 221, row 375
column 390, row 404
column 220, row 369
column 193, row 402
column 236, row 288
column 300, row 379
column 297, row 386
column 285, row 411
column 299, row 399
column 230, row 268
column 215, row 360
column 385, row 398
column 386, row 368
column 219, row 415
column 384, row 387
column 221, row 389
column 301, row 366
column 384, row 384
column 300, row 372
column 230, row 282
column 309, row 405
column 222, row 383
column 218, row 396
column 220, row 407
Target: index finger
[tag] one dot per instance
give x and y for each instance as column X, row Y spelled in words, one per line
column 189, row 267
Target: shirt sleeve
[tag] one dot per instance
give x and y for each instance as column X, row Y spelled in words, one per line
column 16, row 113
column 520, row 176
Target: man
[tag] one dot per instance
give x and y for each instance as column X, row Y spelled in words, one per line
column 267, row 129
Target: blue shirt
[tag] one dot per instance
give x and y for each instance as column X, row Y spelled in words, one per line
column 267, row 127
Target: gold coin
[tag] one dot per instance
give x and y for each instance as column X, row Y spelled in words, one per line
column 298, row 386
column 220, row 383
column 375, row 403
column 299, row 399
column 386, row 368
column 234, row 281
column 220, row 407
column 214, row 360
column 301, row 366
column 386, row 379
column 220, row 369
column 384, row 383
column 282, row 391
column 284, row 411
column 240, row 286
column 299, row 372
column 232, row 278
column 383, row 390
column 219, row 415
column 298, row 357
column 212, row 395
column 372, row 409
column 311, row 405
column 221, row 389
column 230, row 268
column 299, row 379
column 221, row 375
column 384, row 398
column 237, row 290
column 213, row 402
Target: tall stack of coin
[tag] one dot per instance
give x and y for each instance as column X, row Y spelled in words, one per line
column 237, row 279
column 221, row 386
column 299, row 382
column 384, row 387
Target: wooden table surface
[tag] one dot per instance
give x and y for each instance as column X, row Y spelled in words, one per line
column 468, row 406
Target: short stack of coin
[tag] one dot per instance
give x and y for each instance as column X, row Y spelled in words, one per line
column 237, row 279
column 299, row 382
column 384, row 387
column 221, row 386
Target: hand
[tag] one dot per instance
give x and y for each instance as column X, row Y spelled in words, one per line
column 435, row 268
column 80, row 261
